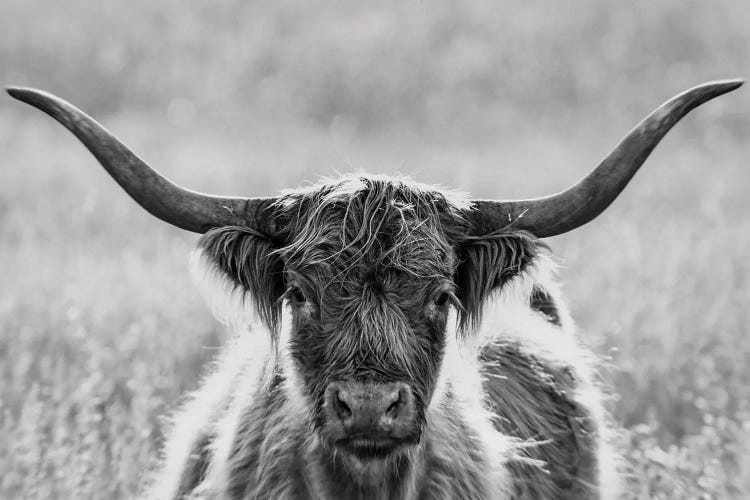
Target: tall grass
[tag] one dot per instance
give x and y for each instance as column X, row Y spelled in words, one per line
column 101, row 331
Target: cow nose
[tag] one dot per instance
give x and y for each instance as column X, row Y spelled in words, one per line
column 371, row 410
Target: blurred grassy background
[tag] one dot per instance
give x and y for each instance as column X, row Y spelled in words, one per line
column 101, row 331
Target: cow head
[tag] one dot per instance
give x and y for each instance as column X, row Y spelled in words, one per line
column 369, row 268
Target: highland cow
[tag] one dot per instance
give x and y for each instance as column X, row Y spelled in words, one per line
column 407, row 342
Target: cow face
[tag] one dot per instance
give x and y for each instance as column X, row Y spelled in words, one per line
column 369, row 277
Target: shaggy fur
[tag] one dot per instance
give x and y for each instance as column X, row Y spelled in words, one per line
column 383, row 282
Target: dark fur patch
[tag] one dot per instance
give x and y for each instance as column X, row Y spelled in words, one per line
column 535, row 402
column 542, row 302
column 196, row 467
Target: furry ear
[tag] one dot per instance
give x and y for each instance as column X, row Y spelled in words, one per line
column 486, row 263
column 249, row 259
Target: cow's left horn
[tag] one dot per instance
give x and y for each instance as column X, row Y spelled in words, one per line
column 581, row 203
column 164, row 199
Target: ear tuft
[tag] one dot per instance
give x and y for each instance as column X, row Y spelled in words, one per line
column 486, row 264
column 248, row 259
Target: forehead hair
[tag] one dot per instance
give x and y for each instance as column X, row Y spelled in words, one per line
column 371, row 225
column 336, row 237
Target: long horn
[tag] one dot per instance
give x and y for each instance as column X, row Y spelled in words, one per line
column 162, row 198
column 581, row 203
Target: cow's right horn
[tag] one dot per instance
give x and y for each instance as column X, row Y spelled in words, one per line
column 164, row 199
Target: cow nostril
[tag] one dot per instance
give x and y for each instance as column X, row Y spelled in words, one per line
column 392, row 410
column 342, row 409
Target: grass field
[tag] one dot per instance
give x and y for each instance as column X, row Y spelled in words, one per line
column 101, row 332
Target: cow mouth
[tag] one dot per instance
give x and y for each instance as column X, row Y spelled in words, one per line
column 365, row 448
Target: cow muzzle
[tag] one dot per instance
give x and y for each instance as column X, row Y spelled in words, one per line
column 370, row 420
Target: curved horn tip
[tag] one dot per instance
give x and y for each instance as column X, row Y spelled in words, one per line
column 717, row 87
column 31, row 96
column 13, row 89
column 21, row 93
column 729, row 83
column 35, row 97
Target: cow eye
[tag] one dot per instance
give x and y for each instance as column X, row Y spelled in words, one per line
column 295, row 293
column 442, row 299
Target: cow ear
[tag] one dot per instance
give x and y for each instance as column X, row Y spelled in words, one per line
column 486, row 264
column 249, row 261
